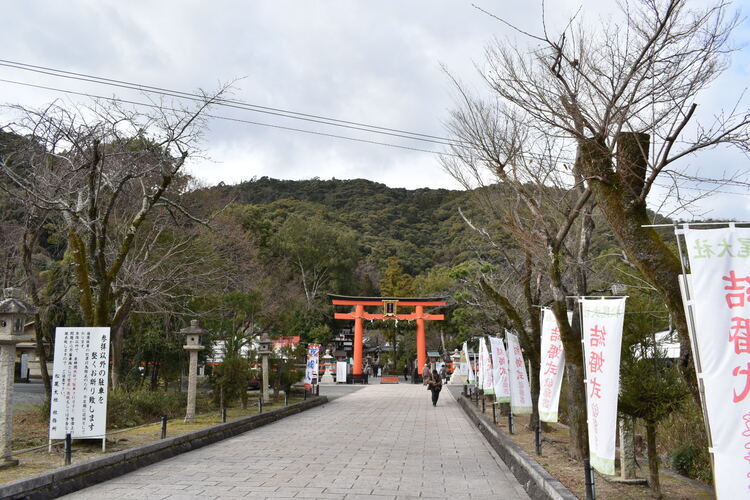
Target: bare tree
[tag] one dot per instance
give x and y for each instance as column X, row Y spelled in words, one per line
column 623, row 94
column 104, row 170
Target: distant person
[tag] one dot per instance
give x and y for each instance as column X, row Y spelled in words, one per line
column 426, row 374
column 415, row 376
column 406, row 373
column 380, row 371
column 444, row 373
column 434, row 385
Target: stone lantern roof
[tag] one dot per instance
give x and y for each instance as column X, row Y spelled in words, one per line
column 11, row 303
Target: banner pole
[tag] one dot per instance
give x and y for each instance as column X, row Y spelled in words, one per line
column 588, row 473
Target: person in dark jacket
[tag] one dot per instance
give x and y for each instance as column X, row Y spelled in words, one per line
column 435, row 385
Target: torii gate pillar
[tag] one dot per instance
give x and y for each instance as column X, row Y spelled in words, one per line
column 421, row 343
column 358, row 338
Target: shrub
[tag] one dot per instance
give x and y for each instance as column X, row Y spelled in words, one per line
column 691, row 461
column 131, row 408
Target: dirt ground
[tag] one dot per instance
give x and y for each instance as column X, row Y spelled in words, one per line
column 569, row 472
column 30, row 429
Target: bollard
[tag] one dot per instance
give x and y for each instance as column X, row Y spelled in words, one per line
column 164, row 427
column 588, row 475
column 317, row 390
column 538, row 437
column 494, row 413
column 68, row 449
column 466, row 392
column 260, row 405
column 482, row 403
column 286, row 399
column 304, row 398
column 224, row 415
column 510, row 422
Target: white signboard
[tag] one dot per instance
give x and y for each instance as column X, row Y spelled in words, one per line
column 601, row 321
column 24, row 365
column 311, row 367
column 341, row 369
column 500, row 378
column 79, row 383
column 469, row 369
column 487, row 384
column 551, row 368
column 520, row 391
column 720, row 292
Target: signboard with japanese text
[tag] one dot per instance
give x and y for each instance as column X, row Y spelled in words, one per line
column 500, row 376
column 470, row 376
column 311, row 366
column 341, row 368
column 520, row 391
column 601, row 322
column 720, row 289
column 487, row 384
column 79, row 383
column 551, row 368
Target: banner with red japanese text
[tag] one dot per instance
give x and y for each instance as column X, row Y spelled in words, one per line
column 720, row 292
column 487, row 386
column 470, row 376
column 311, row 367
column 500, row 378
column 480, row 366
column 520, row 391
column 79, row 383
column 551, row 369
column 601, row 321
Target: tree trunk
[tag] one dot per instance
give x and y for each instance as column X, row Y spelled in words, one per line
column 615, row 193
column 653, row 460
column 627, row 448
column 41, row 352
column 117, row 340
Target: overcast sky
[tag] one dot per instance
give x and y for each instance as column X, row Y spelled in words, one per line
column 376, row 62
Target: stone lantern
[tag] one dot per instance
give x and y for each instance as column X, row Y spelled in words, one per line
column 329, row 365
column 192, row 346
column 264, row 349
column 456, row 377
column 13, row 314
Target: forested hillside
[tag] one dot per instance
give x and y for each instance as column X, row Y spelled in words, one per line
column 422, row 227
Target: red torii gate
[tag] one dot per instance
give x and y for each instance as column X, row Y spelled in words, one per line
column 390, row 306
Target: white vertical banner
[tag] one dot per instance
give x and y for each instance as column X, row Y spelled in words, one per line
column 720, row 286
column 500, row 378
column 480, row 365
column 551, row 369
column 487, row 385
column 520, row 391
column 472, row 379
column 311, row 366
column 601, row 322
column 341, row 368
column 79, row 383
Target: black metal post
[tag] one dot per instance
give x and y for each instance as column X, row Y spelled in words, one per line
column 260, row 405
column 538, row 437
column 466, row 392
column 286, row 399
column 305, row 396
column 223, row 415
column 510, row 422
column 317, row 390
column 164, row 427
column 588, row 474
column 483, row 403
column 68, row 449
column 494, row 413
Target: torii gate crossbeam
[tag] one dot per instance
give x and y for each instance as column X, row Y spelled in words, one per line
column 389, row 307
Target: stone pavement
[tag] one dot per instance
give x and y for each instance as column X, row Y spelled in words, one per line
column 383, row 441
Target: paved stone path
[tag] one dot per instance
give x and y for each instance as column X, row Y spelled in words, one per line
column 384, row 441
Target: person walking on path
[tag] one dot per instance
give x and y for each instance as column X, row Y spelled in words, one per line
column 444, row 373
column 434, row 384
column 425, row 374
column 406, row 373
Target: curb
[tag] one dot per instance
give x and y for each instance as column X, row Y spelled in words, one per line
column 538, row 483
column 75, row 477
